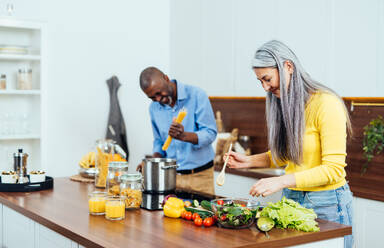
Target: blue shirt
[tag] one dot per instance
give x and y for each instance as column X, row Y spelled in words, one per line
column 199, row 119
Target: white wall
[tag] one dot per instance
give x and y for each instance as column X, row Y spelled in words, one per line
column 339, row 42
column 89, row 41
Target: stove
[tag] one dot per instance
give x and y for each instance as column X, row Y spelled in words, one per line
column 153, row 200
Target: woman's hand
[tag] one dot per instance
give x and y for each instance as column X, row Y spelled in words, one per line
column 237, row 160
column 268, row 186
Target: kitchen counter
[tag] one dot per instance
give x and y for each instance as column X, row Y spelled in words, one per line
column 64, row 210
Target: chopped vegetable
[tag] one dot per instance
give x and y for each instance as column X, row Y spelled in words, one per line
column 290, row 214
column 187, row 204
column 233, row 215
column 195, row 203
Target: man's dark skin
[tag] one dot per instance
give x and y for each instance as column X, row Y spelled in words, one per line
column 161, row 89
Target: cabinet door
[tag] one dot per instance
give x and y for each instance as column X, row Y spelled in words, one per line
column 46, row 238
column 18, row 230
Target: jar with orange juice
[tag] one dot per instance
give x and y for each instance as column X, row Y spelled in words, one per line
column 96, row 202
column 106, row 151
column 114, row 208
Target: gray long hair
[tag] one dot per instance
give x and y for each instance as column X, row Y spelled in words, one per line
column 286, row 116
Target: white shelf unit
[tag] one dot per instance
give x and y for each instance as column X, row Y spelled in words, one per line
column 22, row 111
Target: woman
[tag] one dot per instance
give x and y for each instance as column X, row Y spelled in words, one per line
column 307, row 130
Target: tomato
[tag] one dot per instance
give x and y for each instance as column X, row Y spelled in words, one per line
column 188, row 215
column 220, row 202
column 195, row 216
column 183, row 214
column 198, row 222
column 242, row 205
column 187, row 204
column 208, row 222
column 223, row 217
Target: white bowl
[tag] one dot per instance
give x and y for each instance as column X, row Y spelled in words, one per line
column 8, row 178
column 36, row 178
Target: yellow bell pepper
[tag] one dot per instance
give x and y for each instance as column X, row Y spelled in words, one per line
column 173, row 207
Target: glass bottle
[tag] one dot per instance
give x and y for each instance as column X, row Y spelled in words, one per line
column 104, row 154
column 24, row 79
column 3, row 82
column 131, row 187
column 115, row 171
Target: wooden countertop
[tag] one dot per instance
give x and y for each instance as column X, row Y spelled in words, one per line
column 64, row 209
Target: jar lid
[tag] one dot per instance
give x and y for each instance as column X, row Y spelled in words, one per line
column 118, row 165
column 136, row 177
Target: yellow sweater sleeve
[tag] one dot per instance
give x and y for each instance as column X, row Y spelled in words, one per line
column 330, row 122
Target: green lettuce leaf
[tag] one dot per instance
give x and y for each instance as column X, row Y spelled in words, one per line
column 290, row 214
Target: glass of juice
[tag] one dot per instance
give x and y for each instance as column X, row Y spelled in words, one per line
column 115, row 208
column 96, row 202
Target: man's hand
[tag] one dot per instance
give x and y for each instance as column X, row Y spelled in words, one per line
column 176, row 131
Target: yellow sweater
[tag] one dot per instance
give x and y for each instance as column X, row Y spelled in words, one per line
column 324, row 146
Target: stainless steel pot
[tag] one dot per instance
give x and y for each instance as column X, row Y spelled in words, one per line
column 159, row 174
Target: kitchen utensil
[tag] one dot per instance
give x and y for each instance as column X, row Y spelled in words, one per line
column 20, row 165
column 221, row 177
column 235, row 213
column 159, row 174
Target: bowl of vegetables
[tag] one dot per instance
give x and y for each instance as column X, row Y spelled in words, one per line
column 235, row 213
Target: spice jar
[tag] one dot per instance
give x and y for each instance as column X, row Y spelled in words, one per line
column 115, row 208
column 96, row 202
column 131, row 188
column 24, row 79
column 3, row 82
column 115, row 171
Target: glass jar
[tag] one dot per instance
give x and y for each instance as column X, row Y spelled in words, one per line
column 104, row 154
column 3, row 82
column 131, row 188
column 114, row 208
column 115, row 171
column 96, row 202
column 24, row 79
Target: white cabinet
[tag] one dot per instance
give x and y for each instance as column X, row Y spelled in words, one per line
column 46, row 238
column 21, row 109
column 368, row 220
column 18, row 230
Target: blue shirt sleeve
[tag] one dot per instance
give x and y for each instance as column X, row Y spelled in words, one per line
column 157, row 142
column 205, row 121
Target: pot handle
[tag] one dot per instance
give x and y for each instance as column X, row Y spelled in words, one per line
column 165, row 167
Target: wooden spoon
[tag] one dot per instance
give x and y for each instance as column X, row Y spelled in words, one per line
column 221, row 177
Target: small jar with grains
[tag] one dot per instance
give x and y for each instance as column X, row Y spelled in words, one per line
column 131, row 188
column 115, row 171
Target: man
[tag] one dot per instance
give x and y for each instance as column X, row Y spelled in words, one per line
column 192, row 139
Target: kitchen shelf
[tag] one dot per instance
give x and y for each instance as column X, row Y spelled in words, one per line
column 20, row 57
column 19, row 92
column 20, row 137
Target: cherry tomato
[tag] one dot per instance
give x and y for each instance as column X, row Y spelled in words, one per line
column 198, row 222
column 208, row 222
column 220, row 202
column 188, row 215
column 223, row 217
column 195, row 216
column 183, row 214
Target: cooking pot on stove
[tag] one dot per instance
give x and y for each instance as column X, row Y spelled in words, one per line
column 159, row 174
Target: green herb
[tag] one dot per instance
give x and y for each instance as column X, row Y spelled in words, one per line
column 290, row 214
column 373, row 142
